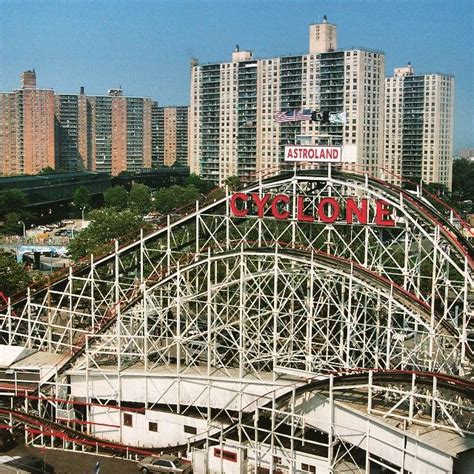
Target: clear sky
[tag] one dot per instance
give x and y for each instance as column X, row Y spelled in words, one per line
column 146, row 46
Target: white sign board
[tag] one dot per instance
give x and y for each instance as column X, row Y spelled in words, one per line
column 316, row 154
column 349, row 154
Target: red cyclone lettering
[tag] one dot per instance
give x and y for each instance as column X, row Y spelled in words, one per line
column 335, row 210
column 382, row 212
column 361, row 213
column 301, row 216
column 276, row 214
column 233, row 206
column 260, row 202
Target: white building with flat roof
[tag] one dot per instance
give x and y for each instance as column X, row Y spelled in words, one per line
column 232, row 126
column 418, row 141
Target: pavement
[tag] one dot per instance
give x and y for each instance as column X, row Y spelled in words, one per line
column 69, row 462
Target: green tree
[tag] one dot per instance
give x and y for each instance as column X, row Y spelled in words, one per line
column 463, row 179
column 234, row 183
column 47, row 170
column 189, row 194
column 82, row 198
column 139, row 198
column 106, row 225
column 438, row 189
column 177, row 164
column 12, row 200
column 116, row 197
column 168, row 199
column 11, row 223
column 13, row 275
column 202, row 185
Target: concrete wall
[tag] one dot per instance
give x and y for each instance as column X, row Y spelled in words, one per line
column 207, row 461
column 170, row 427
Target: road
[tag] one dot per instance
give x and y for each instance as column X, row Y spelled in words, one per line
column 68, row 462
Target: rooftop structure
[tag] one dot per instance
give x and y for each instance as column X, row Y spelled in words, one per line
column 232, row 126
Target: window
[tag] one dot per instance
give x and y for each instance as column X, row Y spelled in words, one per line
column 190, row 429
column 153, row 427
column 308, row 468
column 227, row 455
column 127, row 419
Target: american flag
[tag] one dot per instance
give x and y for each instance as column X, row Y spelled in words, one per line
column 292, row 116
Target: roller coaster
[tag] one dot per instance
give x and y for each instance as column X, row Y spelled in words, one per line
column 274, row 345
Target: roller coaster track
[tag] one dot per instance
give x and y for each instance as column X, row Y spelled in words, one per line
column 303, row 255
column 430, row 216
column 330, row 261
column 424, row 216
column 42, row 426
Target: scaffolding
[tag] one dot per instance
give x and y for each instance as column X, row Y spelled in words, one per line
column 218, row 314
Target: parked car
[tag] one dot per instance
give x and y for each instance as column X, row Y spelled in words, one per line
column 64, row 233
column 165, row 463
column 31, row 464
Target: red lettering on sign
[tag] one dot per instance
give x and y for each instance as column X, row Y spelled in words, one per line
column 260, row 202
column 301, row 216
column 276, row 213
column 233, row 206
column 329, row 209
column 381, row 213
column 362, row 213
column 335, row 210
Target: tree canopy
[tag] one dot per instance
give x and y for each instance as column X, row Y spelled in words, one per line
column 106, row 225
column 234, row 183
column 168, row 199
column 82, row 198
column 139, row 198
column 47, row 170
column 463, row 179
column 13, row 275
column 12, row 200
column 200, row 184
column 116, row 197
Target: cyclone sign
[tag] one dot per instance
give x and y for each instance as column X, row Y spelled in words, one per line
column 327, row 210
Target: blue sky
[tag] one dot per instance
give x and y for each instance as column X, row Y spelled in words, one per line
column 146, row 46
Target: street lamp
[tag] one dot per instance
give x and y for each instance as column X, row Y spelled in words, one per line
column 24, row 229
column 83, row 209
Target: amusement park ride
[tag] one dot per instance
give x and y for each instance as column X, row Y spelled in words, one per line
column 315, row 321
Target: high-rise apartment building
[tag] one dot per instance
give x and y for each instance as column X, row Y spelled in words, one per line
column 232, row 126
column 26, row 128
column 109, row 133
column 170, row 135
column 419, row 126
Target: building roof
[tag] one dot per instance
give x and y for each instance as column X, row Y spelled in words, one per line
column 38, row 178
column 256, row 58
